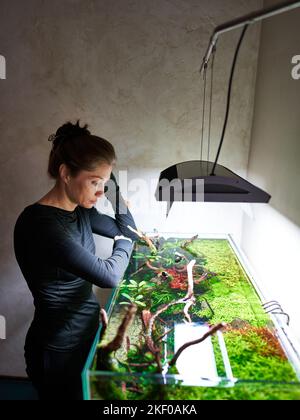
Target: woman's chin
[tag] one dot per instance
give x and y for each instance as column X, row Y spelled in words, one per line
column 88, row 204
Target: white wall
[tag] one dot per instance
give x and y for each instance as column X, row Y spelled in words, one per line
column 271, row 238
column 272, row 244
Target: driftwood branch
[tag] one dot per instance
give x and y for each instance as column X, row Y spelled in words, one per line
column 138, row 270
column 149, row 319
column 145, row 238
column 190, row 291
column 140, row 364
column 163, row 335
column 149, row 265
column 128, row 344
column 117, row 342
column 212, row 331
column 189, row 241
column 191, row 300
column 188, row 305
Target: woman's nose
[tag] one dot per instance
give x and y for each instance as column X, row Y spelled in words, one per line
column 99, row 193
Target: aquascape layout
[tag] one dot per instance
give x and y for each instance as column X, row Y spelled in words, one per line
column 188, row 323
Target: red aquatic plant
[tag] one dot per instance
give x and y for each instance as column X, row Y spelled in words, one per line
column 272, row 346
column 179, row 280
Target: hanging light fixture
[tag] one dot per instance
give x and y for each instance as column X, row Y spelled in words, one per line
column 181, row 182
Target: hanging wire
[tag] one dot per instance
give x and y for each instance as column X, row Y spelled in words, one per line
column 229, row 96
column 203, row 111
column 210, row 103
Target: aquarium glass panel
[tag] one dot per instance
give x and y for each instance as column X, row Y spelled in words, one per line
column 200, row 329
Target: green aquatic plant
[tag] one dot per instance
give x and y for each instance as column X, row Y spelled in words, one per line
column 252, row 357
column 136, row 291
column 162, row 295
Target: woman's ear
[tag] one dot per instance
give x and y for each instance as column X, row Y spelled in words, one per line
column 64, row 173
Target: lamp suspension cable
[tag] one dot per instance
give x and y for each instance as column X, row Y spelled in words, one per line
column 229, row 96
column 203, row 111
column 210, row 102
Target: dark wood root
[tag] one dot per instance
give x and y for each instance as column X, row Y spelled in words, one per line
column 140, row 364
column 117, row 342
column 149, row 265
column 211, row 331
column 159, row 311
column 138, row 270
column 134, row 389
column 189, row 241
column 202, row 278
column 128, row 344
column 146, row 315
column 163, row 336
column 123, row 386
column 163, row 321
column 155, row 351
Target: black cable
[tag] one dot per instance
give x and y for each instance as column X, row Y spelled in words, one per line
column 203, row 112
column 229, row 97
column 210, row 103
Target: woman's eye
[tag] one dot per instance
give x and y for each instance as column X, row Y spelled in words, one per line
column 98, row 184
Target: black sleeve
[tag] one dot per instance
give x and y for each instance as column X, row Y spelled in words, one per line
column 123, row 216
column 102, row 224
column 64, row 252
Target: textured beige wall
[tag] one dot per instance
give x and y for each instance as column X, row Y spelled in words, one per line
column 275, row 147
column 130, row 69
column 271, row 237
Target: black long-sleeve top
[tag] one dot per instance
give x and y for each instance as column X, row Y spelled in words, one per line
column 55, row 250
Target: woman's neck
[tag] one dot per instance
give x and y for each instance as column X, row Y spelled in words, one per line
column 57, row 197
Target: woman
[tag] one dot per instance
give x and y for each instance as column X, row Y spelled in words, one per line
column 54, row 247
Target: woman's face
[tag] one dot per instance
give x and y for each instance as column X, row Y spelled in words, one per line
column 87, row 187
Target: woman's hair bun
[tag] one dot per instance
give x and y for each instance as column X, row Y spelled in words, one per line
column 78, row 149
column 72, row 130
column 68, row 130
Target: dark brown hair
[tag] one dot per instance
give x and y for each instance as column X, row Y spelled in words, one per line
column 78, row 149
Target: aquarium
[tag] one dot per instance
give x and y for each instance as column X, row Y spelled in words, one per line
column 189, row 322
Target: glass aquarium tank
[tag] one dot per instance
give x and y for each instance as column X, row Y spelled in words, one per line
column 188, row 322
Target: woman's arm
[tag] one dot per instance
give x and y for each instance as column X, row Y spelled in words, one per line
column 122, row 214
column 107, row 226
column 102, row 224
column 67, row 254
